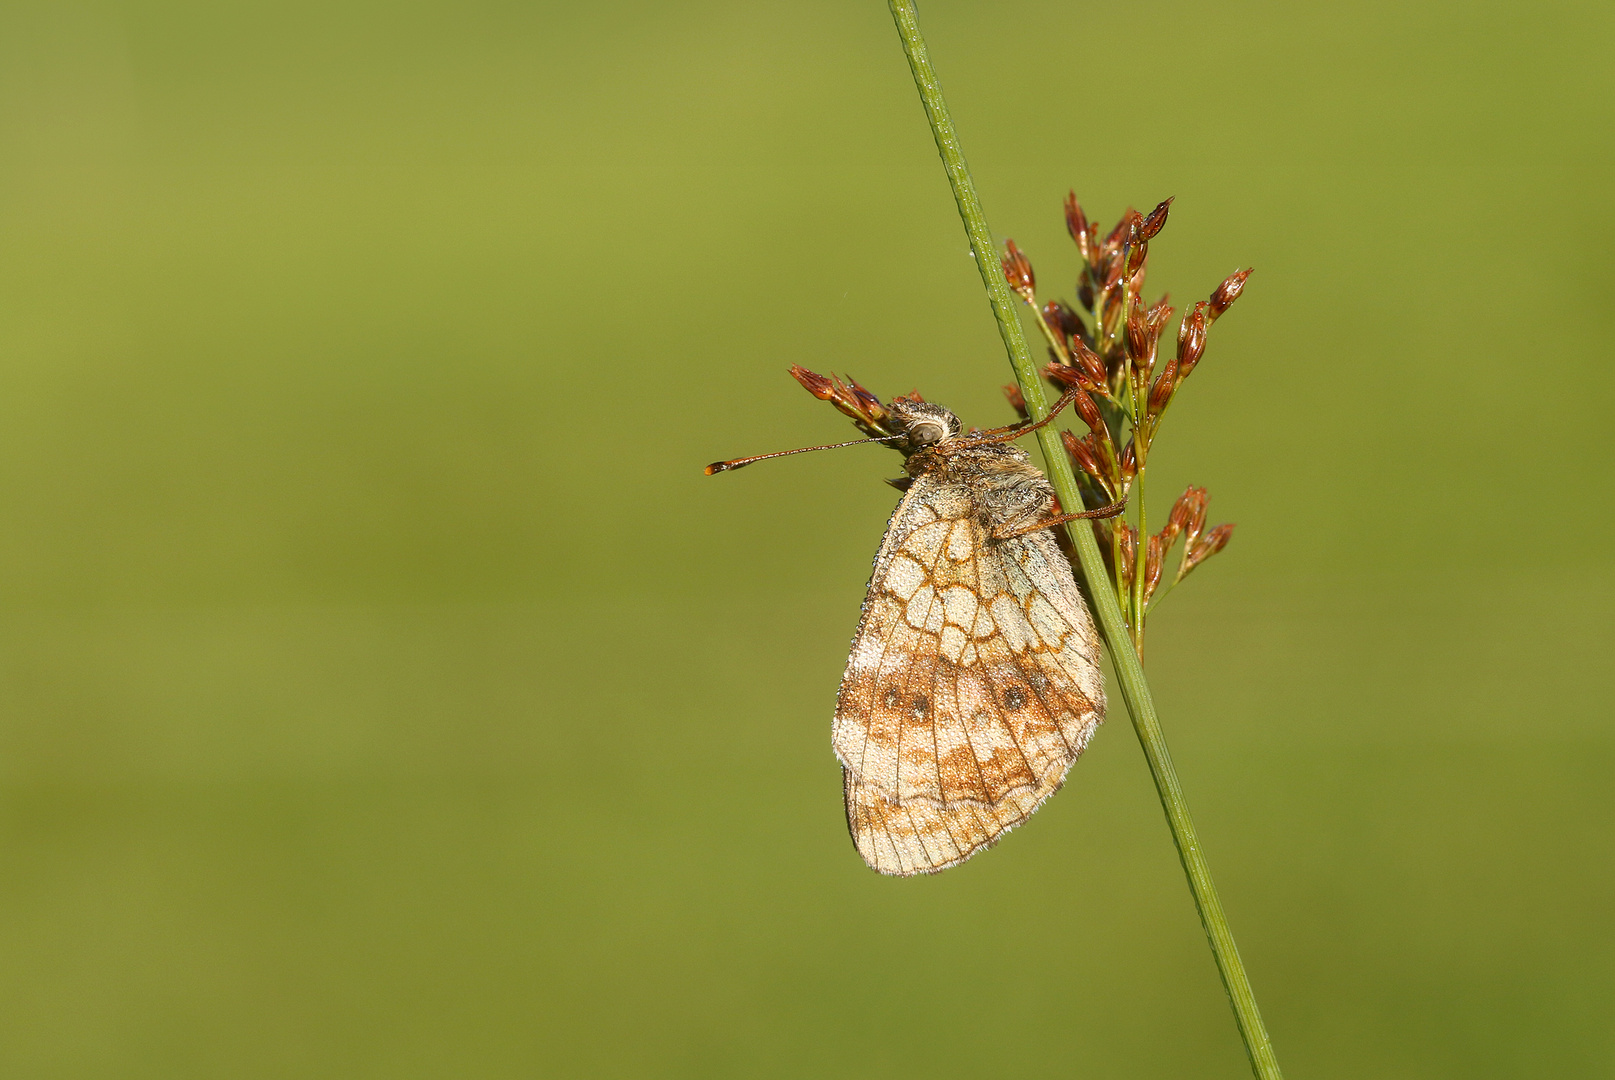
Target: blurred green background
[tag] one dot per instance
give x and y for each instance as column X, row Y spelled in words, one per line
column 384, row 692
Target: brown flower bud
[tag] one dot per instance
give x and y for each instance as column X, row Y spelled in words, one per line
column 1076, row 223
column 1141, row 341
column 1127, row 541
column 1227, row 293
column 1137, row 251
column 1017, row 401
column 1156, row 221
column 1088, row 411
column 1196, row 521
column 868, row 405
column 1183, row 512
column 1161, row 392
column 1065, row 376
column 1081, row 452
column 818, row 385
column 1063, row 322
column 1152, row 566
column 1138, row 334
column 1018, row 272
column 1215, row 541
column 1051, row 318
column 1192, row 339
column 1129, row 463
column 1088, row 361
column 1108, row 321
column 1094, row 455
column 850, row 398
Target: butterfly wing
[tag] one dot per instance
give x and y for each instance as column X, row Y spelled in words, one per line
column 972, row 687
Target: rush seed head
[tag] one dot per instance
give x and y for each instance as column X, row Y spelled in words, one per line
column 1107, row 346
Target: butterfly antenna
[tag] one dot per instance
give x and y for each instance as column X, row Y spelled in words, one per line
column 725, row 466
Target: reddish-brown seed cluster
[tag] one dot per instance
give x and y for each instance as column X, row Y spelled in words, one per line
column 1187, row 521
column 1107, row 347
column 852, row 399
column 1018, row 272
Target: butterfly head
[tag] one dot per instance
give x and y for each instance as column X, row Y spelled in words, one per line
column 924, row 423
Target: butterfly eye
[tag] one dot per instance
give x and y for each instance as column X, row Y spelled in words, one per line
column 925, row 434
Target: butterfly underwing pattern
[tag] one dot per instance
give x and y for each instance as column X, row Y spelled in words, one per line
column 973, row 683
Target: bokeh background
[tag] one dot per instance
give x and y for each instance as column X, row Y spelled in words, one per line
column 384, row 692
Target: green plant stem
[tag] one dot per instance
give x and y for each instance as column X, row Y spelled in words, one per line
column 1140, row 565
column 1115, row 560
column 1135, row 690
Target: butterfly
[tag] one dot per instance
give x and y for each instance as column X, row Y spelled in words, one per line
column 973, row 682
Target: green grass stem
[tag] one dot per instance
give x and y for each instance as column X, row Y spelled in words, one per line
column 1129, row 672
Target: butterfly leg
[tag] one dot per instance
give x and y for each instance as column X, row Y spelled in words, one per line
column 1112, row 510
column 1015, row 431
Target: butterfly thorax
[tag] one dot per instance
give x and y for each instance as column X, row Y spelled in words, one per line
column 1005, row 488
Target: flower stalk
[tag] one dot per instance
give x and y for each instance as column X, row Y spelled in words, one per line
column 1114, row 311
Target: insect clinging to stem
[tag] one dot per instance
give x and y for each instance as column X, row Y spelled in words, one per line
column 973, row 682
